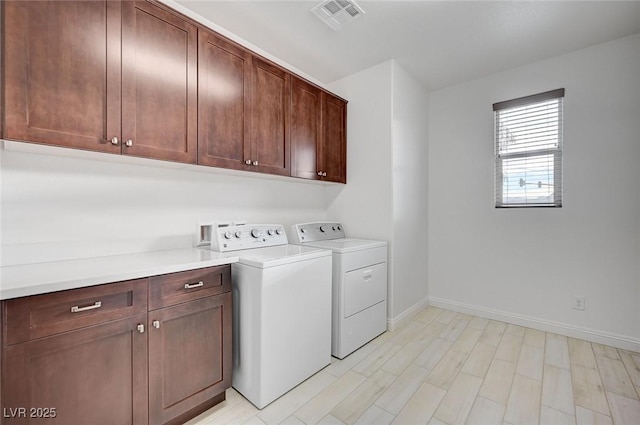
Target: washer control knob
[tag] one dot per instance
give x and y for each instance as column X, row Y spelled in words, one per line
column 303, row 230
column 322, row 229
column 271, row 232
column 237, row 234
column 227, row 235
column 339, row 228
column 278, row 231
column 255, row 233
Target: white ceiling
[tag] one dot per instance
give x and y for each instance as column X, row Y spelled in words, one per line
column 439, row 42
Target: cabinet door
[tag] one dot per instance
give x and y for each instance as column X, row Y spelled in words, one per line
column 270, row 103
column 189, row 356
column 334, row 147
column 96, row 376
column 159, row 83
column 224, row 75
column 62, row 73
column 306, row 104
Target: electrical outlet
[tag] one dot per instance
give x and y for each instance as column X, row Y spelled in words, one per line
column 578, row 303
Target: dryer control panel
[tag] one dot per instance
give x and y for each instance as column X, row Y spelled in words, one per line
column 227, row 237
column 320, row 231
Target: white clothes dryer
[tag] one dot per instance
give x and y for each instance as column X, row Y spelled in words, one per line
column 359, row 298
column 281, row 309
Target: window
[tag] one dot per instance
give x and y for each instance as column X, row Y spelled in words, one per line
column 528, row 151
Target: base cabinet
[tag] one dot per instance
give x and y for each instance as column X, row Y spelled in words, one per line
column 148, row 351
column 95, row 376
column 185, row 368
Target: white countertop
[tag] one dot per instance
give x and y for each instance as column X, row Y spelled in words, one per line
column 40, row 278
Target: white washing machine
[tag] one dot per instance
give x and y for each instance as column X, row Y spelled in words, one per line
column 359, row 284
column 281, row 309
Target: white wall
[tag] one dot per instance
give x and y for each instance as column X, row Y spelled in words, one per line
column 56, row 207
column 527, row 264
column 386, row 158
column 409, row 176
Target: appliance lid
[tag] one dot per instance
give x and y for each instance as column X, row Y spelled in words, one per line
column 342, row 246
column 279, row 255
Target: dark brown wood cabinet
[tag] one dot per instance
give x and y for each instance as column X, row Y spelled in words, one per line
column 333, row 152
column 224, row 80
column 243, row 108
column 109, row 76
column 95, row 375
column 189, row 356
column 190, row 342
column 62, row 73
column 159, row 83
column 137, row 78
column 147, row 351
column 270, row 111
column 318, row 133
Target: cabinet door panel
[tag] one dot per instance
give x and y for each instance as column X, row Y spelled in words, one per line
column 271, row 88
column 190, row 356
column 62, row 73
column 94, row 376
column 305, row 129
column 159, row 83
column 224, row 75
column 334, row 147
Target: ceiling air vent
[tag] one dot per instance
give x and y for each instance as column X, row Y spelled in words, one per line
column 337, row 13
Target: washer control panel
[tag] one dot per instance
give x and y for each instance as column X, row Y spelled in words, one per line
column 320, row 231
column 247, row 236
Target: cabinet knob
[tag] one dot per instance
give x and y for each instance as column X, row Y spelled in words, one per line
column 129, row 143
column 114, row 140
column 141, row 328
column 156, row 324
column 255, row 162
column 320, row 173
column 247, row 161
column 324, row 174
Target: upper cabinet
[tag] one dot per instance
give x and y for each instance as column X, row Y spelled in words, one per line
column 270, row 92
column 333, row 157
column 159, row 83
column 137, row 78
column 318, row 133
column 101, row 75
column 243, row 108
column 224, row 78
column 62, row 73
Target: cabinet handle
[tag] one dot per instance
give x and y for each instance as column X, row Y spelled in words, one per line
column 114, row 140
column 247, row 161
column 78, row 309
column 129, row 143
column 141, row 328
column 320, row 173
column 193, row 285
column 324, row 174
column 255, row 162
column 156, row 324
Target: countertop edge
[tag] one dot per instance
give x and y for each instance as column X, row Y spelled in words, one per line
column 52, row 283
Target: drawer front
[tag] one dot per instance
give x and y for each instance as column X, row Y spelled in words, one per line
column 38, row 316
column 364, row 288
column 176, row 288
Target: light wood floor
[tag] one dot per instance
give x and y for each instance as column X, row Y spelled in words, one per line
column 444, row 367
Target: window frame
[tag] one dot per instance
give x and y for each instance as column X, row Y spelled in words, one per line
column 557, row 152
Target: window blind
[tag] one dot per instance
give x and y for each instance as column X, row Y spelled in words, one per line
column 528, row 150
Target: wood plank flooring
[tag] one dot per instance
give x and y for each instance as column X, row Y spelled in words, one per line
column 448, row 368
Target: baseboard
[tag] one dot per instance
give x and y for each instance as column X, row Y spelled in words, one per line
column 393, row 323
column 607, row 338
